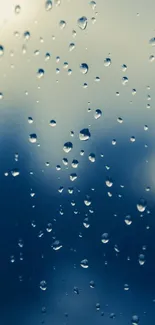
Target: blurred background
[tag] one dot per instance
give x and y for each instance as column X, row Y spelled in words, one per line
column 77, row 151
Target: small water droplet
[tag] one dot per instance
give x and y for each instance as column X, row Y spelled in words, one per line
column 135, row 320
column 84, row 264
column 43, row 285
column 91, row 157
column 62, row 24
column 107, row 62
column 93, row 4
column 53, row 123
column 56, row 245
column 124, row 81
column 105, row 238
column 126, row 287
column 141, row 259
column 27, row 35
column 40, row 73
column 152, row 41
column 92, row 284
column 128, row 220
column 84, row 68
column 97, row 114
column 17, row 9
column 141, row 205
column 67, row 147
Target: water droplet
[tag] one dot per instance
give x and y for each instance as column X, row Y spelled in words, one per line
column 126, row 287
column 47, row 56
column 62, row 24
column 84, row 68
column 1, row 50
column 84, row 135
column 30, row 120
column 12, row 259
column 73, row 177
column 84, row 264
column 107, row 62
column 152, row 41
column 33, row 138
column 135, row 320
column 26, row 35
column 120, row 120
column 75, row 163
column 109, row 182
column 36, row 52
column 56, row 245
column 141, row 205
column 20, row 243
column 93, row 4
column 91, row 157
column 97, row 114
column 124, row 81
column 98, row 306
column 48, row 5
column 53, row 123
column 141, row 259
column 76, row 290
column 105, row 238
column 15, row 172
column 40, row 73
column 67, row 147
column 151, row 58
column 128, row 220
column 86, row 223
column 82, row 22
column 65, row 161
column 71, row 46
column 43, row 285
column 132, row 139
column 49, row 227
column 57, row 3
column 92, row 284
column 133, row 91
column 124, row 67
column 17, row 9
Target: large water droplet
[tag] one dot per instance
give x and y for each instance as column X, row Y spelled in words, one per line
column 84, row 135
column 82, row 22
column 141, row 205
column 33, row 138
column 84, row 68
column 56, row 245
column 48, row 5
column 68, row 147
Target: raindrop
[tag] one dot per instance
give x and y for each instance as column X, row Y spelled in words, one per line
column 53, row 123
column 141, row 205
column 26, row 35
column 93, row 4
column 84, row 264
column 107, row 62
column 49, row 227
column 109, row 182
column 43, row 285
column 124, row 81
column 84, row 135
column 75, row 163
column 152, row 41
column 82, row 22
column 141, row 259
column 126, row 287
column 98, row 114
column 47, row 56
column 1, row 50
column 67, row 147
column 76, row 290
column 56, row 245
column 12, row 259
column 133, row 91
column 73, row 177
column 30, row 120
column 124, row 67
column 62, row 24
column 92, row 284
column 84, row 68
column 33, row 138
column 17, row 9
column 128, row 220
column 40, row 73
column 71, row 46
column 15, row 172
column 135, row 320
column 86, row 223
column 48, row 5
column 132, row 139
column 98, row 306
column 91, row 157
column 105, row 238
